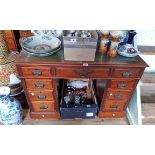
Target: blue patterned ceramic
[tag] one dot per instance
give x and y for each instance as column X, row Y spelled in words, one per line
column 10, row 108
column 40, row 44
column 127, row 50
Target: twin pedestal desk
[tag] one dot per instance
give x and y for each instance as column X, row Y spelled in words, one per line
column 115, row 81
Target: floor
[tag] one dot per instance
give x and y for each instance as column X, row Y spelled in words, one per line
column 108, row 121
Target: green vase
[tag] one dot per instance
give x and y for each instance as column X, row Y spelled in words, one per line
column 3, row 45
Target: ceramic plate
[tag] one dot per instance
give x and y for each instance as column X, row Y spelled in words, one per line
column 40, row 44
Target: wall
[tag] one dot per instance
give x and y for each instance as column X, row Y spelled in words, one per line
column 146, row 37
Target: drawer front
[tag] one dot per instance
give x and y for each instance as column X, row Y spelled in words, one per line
column 38, row 84
column 118, row 95
column 36, row 71
column 41, row 95
column 127, row 73
column 113, row 105
column 79, row 72
column 124, row 85
column 43, row 106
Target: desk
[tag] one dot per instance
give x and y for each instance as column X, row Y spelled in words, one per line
column 115, row 78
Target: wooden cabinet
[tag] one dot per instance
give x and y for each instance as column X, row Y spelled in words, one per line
column 41, row 75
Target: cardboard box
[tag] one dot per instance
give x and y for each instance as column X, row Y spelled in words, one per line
column 80, row 49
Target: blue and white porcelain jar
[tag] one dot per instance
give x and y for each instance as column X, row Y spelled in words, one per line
column 10, row 108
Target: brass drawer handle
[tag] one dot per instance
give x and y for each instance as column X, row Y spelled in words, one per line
column 39, row 85
column 83, row 73
column 43, row 107
column 118, row 96
column 36, row 73
column 114, row 106
column 127, row 74
column 121, row 85
column 41, row 96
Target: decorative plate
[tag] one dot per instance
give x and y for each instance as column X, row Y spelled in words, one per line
column 127, row 50
column 40, row 44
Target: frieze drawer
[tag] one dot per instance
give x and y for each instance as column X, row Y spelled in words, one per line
column 43, row 106
column 41, row 95
column 38, row 84
column 127, row 73
column 36, row 72
column 83, row 72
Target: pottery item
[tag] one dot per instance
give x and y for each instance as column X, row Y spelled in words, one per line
column 3, row 45
column 112, row 53
column 48, row 33
column 103, row 45
column 42, row 54
column 113, row 47
column 131, row 37
column 127, row 50
column 8, row 71
column 122, row 35
column 77, row 83
column 40, row 44
column 104, row 32
column 10, row 108
column 15, row 89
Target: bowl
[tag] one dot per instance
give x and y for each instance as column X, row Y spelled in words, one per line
column 40, row 44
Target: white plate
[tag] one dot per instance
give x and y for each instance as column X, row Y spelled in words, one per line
column 40, row 44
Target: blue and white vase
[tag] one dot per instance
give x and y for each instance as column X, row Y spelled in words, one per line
column 10, row 108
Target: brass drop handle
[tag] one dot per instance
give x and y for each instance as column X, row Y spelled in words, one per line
column 39, row 85
column 82, row 73
column 121, row 85
column 113, row 106
column 43, row 107
column 41, row 96
column 127, row 74
column 36, row 73
column 118, row 96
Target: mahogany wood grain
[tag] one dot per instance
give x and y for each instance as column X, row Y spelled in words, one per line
column 122, row 84
column 43, row 106
column 39, row 84
column 108, row 114
column 121, row 71
column 113, row 105
column 45, row 95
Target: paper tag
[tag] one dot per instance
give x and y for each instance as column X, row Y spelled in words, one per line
column 89, row 114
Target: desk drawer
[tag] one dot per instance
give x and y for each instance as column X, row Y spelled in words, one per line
column 123, row 85
column 127, row 73
column 113, row 105
column 36, row 71
column 43, row 106
column 118, row 95
column 41, row 95
column 79, row 72
column 38, row 84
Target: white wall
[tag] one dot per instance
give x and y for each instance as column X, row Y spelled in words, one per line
column 146, row 37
